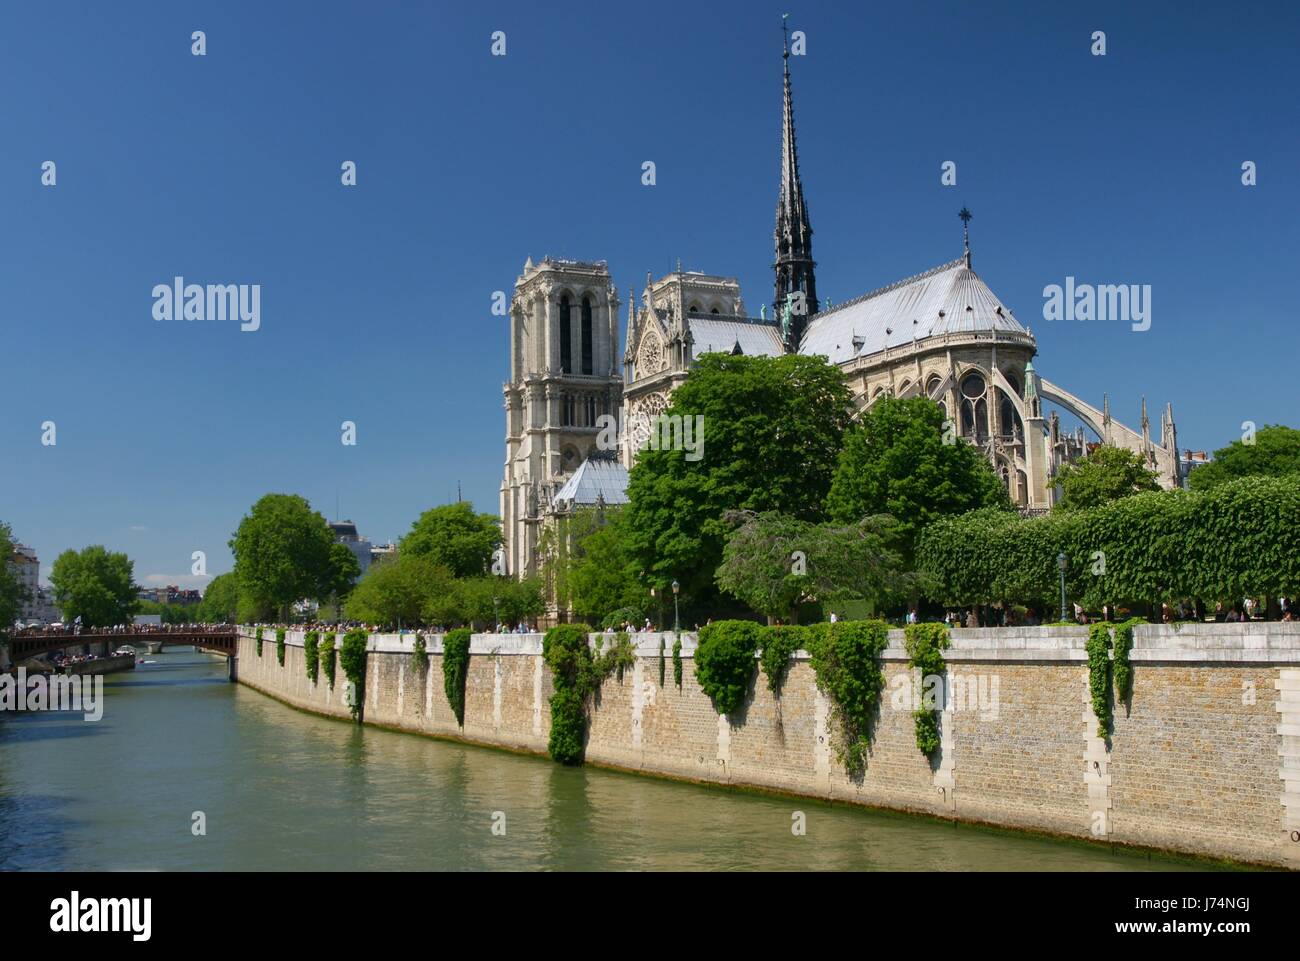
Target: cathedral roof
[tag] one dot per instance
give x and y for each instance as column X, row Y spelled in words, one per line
column 595, row 477
column 712, row 335
column 947, row 299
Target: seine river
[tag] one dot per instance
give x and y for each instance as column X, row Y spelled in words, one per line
column 283, row 790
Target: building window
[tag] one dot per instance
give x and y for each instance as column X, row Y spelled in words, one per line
column 591, row 411
column 586, row 335
column 566, row 336
column 566, row 401
column 932, row 384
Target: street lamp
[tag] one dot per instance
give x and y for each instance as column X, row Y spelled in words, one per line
column 1061, row 564
column 677, row 619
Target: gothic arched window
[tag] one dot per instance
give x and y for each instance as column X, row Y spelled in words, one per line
column 566, row 336
column 586, row 335
column 932, row 385
column 590, row 411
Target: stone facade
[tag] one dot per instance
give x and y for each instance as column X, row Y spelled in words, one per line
column 1203, row 760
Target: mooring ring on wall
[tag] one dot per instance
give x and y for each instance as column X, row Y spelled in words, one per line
column 1295, row 835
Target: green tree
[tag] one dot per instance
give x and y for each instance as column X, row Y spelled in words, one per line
column 282, row 553
column 341, row 573
column 1105, row 475
column 220, row 602
column 1275, row 451
column 772, row 429
column 455, row 537
column 898, row 460
column 774, row 562
column 96, row 585
column 397, row 590
column 12, row 593
column 601, row 576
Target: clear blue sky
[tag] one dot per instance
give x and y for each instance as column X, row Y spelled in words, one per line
column 375, row 299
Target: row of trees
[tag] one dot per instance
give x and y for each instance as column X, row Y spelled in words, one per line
column 1239, row 538
column 440, row 573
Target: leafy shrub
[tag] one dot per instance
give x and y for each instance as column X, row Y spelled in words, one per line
column 846, row 660
column 779, row 644
column 455, row 669
column 724, row 662
column 925, row 644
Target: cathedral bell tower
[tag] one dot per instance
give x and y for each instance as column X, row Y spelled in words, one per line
column 794, row 265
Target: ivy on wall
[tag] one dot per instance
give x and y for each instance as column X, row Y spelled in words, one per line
column 677, row 662
column 620, row 656
column 279, row 645
column 353, row 659
column 311, row 654
column 779, row 644
column 1123, row 668
column 328, row 658
column 259, row 642
column 724, row 662
column 455, row 669
column 661, row 661
column 925, row 644
column 1110, row 681
column 420, row 654
column 846, row 660
column 573, row 670
column 1098, row 648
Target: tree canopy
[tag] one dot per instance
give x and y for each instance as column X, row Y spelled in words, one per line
column 1273, row 451
column 96, row 585
column 397, row 589
column 12, row 593
column 220, row 600
column 774, row 562
column 899, row 460
column 601, row 576
column 772, row 429
column 454, row 537
column 1105, row 475
column 1238, row 539
column 282, row 554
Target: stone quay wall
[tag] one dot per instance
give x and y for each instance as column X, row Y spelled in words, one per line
column 1205, row 759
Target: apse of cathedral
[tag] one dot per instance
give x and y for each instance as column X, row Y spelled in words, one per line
column 941, row 334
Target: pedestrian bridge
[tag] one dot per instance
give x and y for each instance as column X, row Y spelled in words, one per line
column 215, row 639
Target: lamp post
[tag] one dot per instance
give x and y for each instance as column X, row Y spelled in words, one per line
column 677, row 620
column 1061, row 562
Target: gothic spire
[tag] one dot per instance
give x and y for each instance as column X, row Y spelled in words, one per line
column 793, row 235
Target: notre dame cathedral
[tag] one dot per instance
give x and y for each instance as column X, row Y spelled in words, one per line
column 941, row 334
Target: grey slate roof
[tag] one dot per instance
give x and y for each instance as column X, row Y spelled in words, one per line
column 756, row 339
column 594, row 476
column 883, row 318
